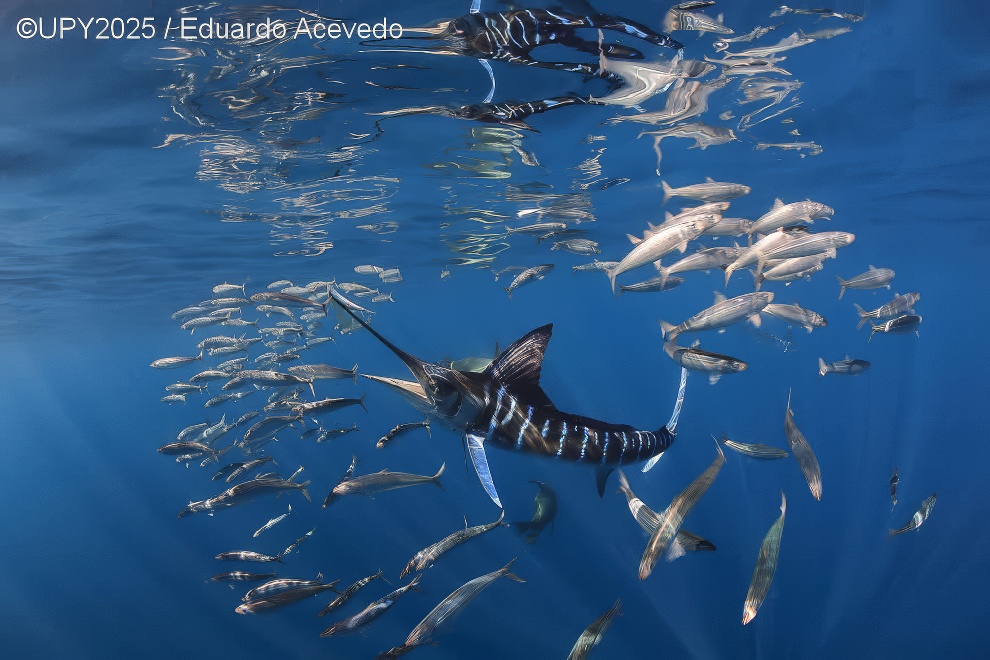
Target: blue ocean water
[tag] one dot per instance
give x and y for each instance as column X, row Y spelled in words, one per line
column 135, row 176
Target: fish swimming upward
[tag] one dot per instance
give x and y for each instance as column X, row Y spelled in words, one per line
column 505, row 406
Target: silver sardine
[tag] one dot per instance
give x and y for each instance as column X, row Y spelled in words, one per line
column 803, row 453
column 766, row 565
column 426, row 557
column 379, row 482
column 874, row 278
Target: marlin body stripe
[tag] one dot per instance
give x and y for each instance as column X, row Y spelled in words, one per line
column 506, row 407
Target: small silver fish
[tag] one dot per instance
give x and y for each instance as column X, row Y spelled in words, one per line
column 175, row 362
column 529, row 275
column 673, row 515
column 899, row 305
column 593, row 634
column 845, row 366
column 900, row 325
column 271, row 523
column 766, row 566
column 920, row 516
column 709, row 191
column 577, row 246
column 758, row 450
column 379, row 482
column 874, row 278
column 803, row 453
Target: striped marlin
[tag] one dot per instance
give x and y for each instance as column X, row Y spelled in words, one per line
column 505, row 406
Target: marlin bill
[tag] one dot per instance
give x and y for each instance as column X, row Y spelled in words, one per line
column 505, row 406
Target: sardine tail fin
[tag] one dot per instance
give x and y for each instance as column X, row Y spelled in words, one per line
column 361, row 400
column 666, row 190
column 304, row 491
column 436, row 478
column 842, row 285
column 822, row 367
column 354, row 373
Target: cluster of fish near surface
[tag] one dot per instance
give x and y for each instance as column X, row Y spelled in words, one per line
column 255, row 432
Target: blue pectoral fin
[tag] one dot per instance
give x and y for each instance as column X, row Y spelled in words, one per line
column 476, row 449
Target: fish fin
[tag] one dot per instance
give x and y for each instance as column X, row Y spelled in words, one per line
column 676, row 549
column 863, row 316
column 777, row 203
column 520, row 363
column 361, row 402
column 475, row 443
column 719, row 297
column 666, row 328
column 650, row 463
column 601, row 477
column 508, row 291
column 822, row 367
column 683, row 247
column 354, row 373
column 713, row 378
column 633, row 239
column 755, row 320
column 302, row 489
column 623, row 483
column 666, row 191
column 667, row 217
column 842, row 284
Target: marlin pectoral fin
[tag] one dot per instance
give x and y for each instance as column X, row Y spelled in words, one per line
column 601, row 476
column 476, row 448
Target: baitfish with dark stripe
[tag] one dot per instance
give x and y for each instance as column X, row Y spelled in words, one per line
column 803, row 453
column 426, row 557
column 402, row 428
column 371, row 612
column 766, row 566
column 758, row 450
column 506, row 407
column 448, row 608
column 648, row 519
column 673, row 516
column 894, row 480
column 919, row 517
column 593, row 634
column 348, row 593
column 241, row 576
column 379, row 482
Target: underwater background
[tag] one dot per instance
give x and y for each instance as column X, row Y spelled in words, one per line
column 134, row 177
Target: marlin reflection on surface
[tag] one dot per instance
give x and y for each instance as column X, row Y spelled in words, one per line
column 511, row 36
column 505, row 406
column 507, row 113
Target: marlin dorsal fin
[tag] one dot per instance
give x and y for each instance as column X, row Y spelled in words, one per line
column 520, row 363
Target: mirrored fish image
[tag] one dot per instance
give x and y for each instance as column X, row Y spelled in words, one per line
column 250, row 249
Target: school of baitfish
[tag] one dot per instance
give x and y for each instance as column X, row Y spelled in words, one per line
column 257, row 340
